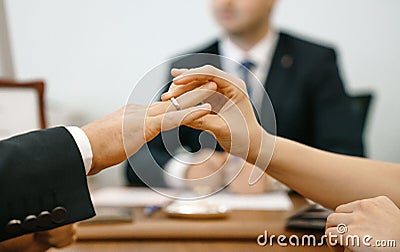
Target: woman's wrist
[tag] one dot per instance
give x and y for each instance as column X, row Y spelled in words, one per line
column 261, row 148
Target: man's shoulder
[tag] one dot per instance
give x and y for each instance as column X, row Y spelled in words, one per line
column 200, row 56
column 303, row 45
column 211, row 47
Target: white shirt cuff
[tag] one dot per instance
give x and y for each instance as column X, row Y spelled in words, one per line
column 176, row 169
column 82, row 141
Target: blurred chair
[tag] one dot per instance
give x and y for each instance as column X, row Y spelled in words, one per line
column 361, row 104
column 22, row 107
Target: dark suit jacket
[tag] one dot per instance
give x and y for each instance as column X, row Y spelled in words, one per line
column 42, row 183
column 308, row 98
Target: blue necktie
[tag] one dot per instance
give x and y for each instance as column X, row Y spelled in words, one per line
column 245, row 69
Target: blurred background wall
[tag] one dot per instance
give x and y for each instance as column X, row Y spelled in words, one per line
column 91, row 53
column 6, row 64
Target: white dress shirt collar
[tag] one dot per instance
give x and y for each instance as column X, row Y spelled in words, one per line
column 261, row 54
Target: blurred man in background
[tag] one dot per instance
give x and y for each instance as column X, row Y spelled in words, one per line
column 301, row 78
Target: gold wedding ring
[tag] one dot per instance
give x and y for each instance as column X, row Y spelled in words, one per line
column 175, row 103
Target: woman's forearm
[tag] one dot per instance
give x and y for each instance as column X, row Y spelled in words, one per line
column 332, row 179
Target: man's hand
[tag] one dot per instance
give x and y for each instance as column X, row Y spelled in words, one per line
column 58, row 237
column 41, row 241
column 119, row 135
column 377, row 220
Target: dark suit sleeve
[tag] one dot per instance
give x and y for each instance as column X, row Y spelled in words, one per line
column 42, row 183
column 336, row 126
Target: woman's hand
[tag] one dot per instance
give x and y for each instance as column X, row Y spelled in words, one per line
column 234, row 123
column 235, row 118
column 375, row 222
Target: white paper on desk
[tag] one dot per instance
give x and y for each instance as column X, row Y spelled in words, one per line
column 134, row 196
column 128, row 197
column 278, row 201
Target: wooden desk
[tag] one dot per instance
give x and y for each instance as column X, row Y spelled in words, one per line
column 158, row 233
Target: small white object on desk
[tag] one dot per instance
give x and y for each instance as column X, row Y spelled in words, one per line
column 272, row 201
column 196, row 210
column 129, row 197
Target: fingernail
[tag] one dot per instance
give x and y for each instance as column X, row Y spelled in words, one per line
column 204, row 106
column 211, row 85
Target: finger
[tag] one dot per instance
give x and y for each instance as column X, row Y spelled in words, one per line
column 189, row 99
column 174, row 119
column 58, row 241
column 347, row 208
column 178, row 71
column 205, row 74
column 197, row 96
column 333, row 240
column 61, row 243
column 335, row 219
column 336, row 248
column 181, row 89
column 208, row 122
column 58, row 237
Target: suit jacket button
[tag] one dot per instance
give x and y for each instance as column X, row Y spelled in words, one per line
column 30, row 222
column 59, row 214
column 287, row 61
column 13, row 226
column 44, row 219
